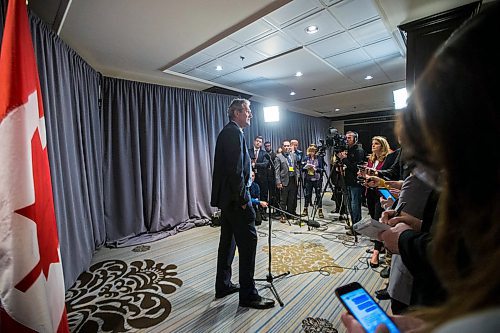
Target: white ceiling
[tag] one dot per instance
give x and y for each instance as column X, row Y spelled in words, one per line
column 259, row 43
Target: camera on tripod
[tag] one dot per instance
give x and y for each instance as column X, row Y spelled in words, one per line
column 333, row 140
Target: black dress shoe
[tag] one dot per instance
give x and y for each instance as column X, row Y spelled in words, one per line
column 258, row 303
column 382, row 294
column 372, row 265
column 233, row 288
column 385, row 272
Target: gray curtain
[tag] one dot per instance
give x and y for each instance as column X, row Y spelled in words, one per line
column 158, row 153
column 140, row 168
column 70, row 98
column 158, row 143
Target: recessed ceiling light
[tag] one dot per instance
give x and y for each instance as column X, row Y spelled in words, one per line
column 312, row 29
column 292, row 93
column 368, row 77
column 298, row 74
column 218, row 68
column 337, row 109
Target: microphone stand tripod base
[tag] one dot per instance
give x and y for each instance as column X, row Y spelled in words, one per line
column 269, row 277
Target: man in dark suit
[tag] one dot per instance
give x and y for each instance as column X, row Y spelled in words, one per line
column 230, row 192
column 259, row 166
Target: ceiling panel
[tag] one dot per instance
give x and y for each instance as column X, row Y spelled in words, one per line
column 325, row 22
column 243, row 57
column 352, row 13
column 348, row 58
column 221, row 47
column 359, row 71
column 333, row 45
column 370, row 32
column 273, row 45
column 128, row 39
column 287, row 65
column 252, row 32
column 382, row 49
column 293, row 12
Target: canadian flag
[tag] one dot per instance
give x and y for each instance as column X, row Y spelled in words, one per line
column 31, row 275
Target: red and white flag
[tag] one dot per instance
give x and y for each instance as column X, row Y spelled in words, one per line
column 31, row 275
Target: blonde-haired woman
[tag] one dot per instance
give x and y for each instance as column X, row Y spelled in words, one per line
column 376, row 161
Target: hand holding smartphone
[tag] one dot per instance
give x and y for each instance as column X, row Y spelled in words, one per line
column 386, row 193
column 364, row 308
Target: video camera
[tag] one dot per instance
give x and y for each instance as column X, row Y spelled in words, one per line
column 333, row 140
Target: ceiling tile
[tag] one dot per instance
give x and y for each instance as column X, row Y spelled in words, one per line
column 266, row 87
column 180, row 68
column 273, row 45
column 359, row 71
column 394, row 67
column 240, row 76
column 252, row 32
column 293, row 11
column 333, row 45
column 196, row 60
column 287, row 65
column 249, row 57
column 221, row 47
column 370, row 32
column 325, row 22
column 201, row 74
column 352, row 13
column 348, row 58
column 226, row 67
column 382, row 49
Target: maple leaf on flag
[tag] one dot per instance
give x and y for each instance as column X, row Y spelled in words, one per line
column 31, row 275
column 42, row 213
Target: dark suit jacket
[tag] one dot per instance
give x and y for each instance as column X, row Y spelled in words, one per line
column 261, row 162
column 231, row 169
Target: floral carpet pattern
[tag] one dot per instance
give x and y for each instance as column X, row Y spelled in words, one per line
column 317, row 325
column 115, row 296
column 301, row 258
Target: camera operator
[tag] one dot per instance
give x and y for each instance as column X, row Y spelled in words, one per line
column 351, row 158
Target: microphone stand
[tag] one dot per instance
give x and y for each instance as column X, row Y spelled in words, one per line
column 269, row 277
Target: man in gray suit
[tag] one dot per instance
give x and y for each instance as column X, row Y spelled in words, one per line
column 286, row 173
column 230, row 192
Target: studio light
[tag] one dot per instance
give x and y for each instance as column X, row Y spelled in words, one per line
column 400, row 97
column 271, row 114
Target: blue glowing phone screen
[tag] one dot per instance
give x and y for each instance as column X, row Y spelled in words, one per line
column 364, row 308
column 385, row 192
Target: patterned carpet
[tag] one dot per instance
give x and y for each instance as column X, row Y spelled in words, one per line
column 168, row 285
column 113, row 296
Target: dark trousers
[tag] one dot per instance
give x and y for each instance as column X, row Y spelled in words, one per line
column 264, row 188
column 355, row 193
column 289, row 196
column 237, row 229
column 309, row 187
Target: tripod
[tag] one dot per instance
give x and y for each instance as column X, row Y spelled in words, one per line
column 346, row 197
column 269, row 277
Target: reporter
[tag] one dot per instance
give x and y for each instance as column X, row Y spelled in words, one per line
column 464, row 249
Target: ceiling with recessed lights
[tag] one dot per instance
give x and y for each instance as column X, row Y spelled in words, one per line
column 350, row 53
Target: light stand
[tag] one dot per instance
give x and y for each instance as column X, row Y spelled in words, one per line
column 269, row 277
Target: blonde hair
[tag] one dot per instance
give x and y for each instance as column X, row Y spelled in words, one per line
column 384, row 152
column 312, row 149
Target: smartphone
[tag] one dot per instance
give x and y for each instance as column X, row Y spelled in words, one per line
column 364, row 308
column 386, row 193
